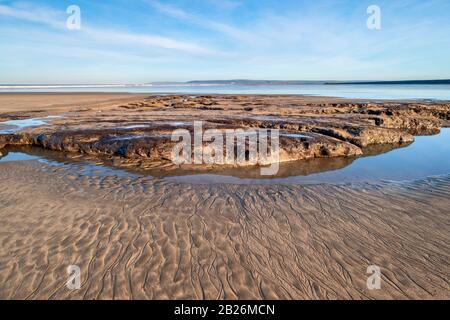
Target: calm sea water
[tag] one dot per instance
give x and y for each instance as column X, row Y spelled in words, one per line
column 392, row 92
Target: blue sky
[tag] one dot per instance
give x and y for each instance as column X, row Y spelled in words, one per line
column 138, row 41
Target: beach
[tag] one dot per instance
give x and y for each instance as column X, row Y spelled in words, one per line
column 147, row 237
column 156, row 240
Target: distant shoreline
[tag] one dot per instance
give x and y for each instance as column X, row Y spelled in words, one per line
column 405, row 82
column 436, row 90
column 237, row 82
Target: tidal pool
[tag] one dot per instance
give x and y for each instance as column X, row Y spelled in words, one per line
column 427, row 156
column 12, row 126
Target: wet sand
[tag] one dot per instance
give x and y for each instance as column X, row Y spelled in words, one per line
column 60, row 102
column 64, row 102
column 149, row 239
column 143, row 238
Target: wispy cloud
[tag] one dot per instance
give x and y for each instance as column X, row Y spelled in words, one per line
column 56, row 19
column 31, row 13
column 119, row 37
column 178, row 13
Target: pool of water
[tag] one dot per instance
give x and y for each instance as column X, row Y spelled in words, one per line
column 78, row 165
column 427, row 156
column 12, row 126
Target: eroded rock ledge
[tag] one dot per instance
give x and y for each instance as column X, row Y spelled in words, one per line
column 139, row 132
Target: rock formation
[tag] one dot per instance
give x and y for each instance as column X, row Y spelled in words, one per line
column 139, row 133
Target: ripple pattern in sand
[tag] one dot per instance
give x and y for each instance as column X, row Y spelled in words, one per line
column 136, row 238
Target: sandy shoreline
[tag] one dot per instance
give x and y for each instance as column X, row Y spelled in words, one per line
column 142, row 238
column 146, row 239
column 46, row 103
column 63, row 102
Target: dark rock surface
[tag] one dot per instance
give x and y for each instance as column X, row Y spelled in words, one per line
column 140, row 131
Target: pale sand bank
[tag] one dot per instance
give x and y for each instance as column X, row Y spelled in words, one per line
column 60, row 102
column 63, row 102
column 146, row 239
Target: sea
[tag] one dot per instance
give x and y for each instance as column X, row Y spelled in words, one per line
column 427, row 92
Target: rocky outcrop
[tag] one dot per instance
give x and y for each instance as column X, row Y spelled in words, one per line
column 141, row 131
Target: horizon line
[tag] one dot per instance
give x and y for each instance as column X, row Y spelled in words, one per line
column 230, row 82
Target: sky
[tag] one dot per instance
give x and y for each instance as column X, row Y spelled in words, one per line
column 141, row 41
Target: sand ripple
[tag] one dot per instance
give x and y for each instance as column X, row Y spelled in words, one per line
column 143, row 239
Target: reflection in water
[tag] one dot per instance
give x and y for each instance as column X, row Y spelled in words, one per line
column 296, row 168
column 427, row 156
column 83, row 165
